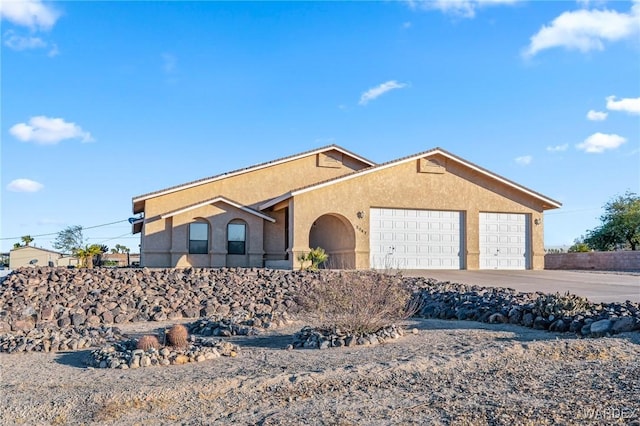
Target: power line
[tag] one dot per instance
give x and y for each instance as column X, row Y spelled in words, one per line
column 572, row 211
column 56, row 233
column 113, row 238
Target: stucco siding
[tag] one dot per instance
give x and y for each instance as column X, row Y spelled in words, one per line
column 404, row 186
column 250, row 189
column 22, row 256
column 317, row 200
column 275, row 246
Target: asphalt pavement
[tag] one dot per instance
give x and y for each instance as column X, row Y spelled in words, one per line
column 596, row 286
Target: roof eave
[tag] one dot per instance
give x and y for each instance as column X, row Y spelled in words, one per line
column 545, row 200
column 139, row 200
column 216, row 200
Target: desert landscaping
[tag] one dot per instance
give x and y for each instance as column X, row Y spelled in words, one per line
column 70, row 354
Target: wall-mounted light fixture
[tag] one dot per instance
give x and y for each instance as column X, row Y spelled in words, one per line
column 537, row 221
column 360, row 214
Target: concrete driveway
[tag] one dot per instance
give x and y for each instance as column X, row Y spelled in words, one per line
column 596, row 286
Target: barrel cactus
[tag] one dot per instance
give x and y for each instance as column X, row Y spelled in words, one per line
column 177, row 336
column 148, row 342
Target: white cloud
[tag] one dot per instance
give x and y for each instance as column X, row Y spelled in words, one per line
column 458, row 8
column 406, row 24
column 586, row 30
column 18, row 42
column 380, row 90
column 24, row 185
column 48, row 131
column 53, row 52
column 600, row 142
column 558, row 148
column 29, row 13
column 525, row 160
column 630, row 105
column 596, row 115
column 169, row 63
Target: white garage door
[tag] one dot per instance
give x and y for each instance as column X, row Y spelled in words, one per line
column 415, row 239
column 504, row 241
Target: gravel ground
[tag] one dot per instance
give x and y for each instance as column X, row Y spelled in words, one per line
column 450, row 372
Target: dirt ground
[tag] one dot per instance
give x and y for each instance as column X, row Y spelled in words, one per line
column 449, row 372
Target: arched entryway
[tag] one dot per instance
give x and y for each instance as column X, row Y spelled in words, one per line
column 335, row 234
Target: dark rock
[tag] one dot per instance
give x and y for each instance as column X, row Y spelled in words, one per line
column 559, row 326
column 527, row 319
column 601, row 328
column 191, row 313
column 541, row 323
column 498, row 318
column 624, row 324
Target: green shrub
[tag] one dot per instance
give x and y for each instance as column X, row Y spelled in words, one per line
column 317, row 257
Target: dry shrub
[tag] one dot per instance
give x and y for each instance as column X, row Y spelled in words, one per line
column 147, row 342
column 177, row 336
column 356, row 302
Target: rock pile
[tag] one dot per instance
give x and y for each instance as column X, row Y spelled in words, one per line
column 57, row 309
column 224, row 327
column 53, row 339
column 314, row 338
column 124, row 355
column 92, row 297
column 559, row 313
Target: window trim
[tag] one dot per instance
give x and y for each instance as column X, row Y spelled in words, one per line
column 237, row 243
column 192, row 250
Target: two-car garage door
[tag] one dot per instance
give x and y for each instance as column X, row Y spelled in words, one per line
column 433, row 239
column 415, row 239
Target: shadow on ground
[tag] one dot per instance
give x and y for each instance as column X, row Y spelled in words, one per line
column 76, row 359
column 521, row 333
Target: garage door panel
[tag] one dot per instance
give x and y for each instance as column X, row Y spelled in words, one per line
column 504, row 241
column 421, row 239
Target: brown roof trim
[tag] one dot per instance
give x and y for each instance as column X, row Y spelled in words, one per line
column 36, row 248
column 548, row 201
column 249, row 169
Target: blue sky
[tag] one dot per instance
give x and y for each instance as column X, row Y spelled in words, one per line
column 103, row 101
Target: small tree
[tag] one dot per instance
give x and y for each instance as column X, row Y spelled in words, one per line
column 103, row 249
column 579, row 247
column 70, row 239
column 87, row 253
column 27, row 239
column 620, row 224
column 17, row 245
column 120, row 249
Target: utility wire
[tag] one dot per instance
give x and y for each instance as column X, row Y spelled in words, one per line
column 572, row 211
column 56, row 233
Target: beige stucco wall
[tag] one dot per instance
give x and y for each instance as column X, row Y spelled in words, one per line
column 414, row 184
column 22, row 256
column 403, row 186
column 164, row 242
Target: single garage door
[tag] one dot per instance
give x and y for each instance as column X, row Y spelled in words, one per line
column 504, row 241
column 415, row 239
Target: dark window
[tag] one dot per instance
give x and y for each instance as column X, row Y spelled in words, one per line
column 236, row 238
column 198, row 238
